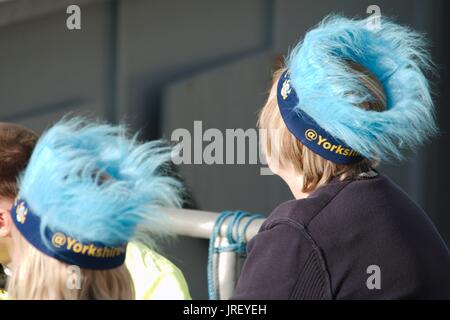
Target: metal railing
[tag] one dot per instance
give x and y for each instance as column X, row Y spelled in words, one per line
column 200, row 224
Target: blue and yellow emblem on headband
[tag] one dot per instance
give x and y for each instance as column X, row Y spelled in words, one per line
column 63, row 247
column 21, row 211
column 305, row 129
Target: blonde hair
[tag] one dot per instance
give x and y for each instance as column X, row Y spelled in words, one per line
column 280, row 144
column 36, row 276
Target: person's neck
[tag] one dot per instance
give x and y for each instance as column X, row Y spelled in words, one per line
column 295, row 183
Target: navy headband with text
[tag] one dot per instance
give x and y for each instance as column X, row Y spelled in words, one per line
column 63, row 247
column 305, row 129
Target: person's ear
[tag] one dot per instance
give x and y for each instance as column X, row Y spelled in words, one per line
column 5, row 223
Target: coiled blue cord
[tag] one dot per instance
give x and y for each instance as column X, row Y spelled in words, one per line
column 239, row 246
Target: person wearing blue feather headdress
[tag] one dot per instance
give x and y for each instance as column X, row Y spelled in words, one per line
column 348, row 98
column 87, row 213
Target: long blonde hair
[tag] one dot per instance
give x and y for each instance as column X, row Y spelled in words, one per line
column 36, row 276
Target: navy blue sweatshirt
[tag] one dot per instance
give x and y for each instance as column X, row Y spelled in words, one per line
column 354, row 239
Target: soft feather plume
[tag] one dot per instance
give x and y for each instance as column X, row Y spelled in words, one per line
column 329, row 92
column 96, row 183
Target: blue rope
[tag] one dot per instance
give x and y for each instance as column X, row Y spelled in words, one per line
column 239, row 245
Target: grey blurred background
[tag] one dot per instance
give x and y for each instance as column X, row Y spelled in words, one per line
column 161, row 64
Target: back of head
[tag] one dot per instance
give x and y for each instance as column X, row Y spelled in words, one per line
column 282, row 146
column 88, row 190
column 347, row 98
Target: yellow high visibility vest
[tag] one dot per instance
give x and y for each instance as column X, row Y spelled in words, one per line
column 3, row 295
column 155, row 277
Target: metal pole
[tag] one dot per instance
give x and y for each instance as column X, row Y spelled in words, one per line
column 227, row 272
column 200, row 224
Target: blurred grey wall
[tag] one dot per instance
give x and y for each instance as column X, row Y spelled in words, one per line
column 161, row 64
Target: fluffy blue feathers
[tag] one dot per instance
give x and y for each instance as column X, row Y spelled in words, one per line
column 96, row 183
column 329, row 92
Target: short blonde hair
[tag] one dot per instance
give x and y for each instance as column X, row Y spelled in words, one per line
column 281, row 144
column 36, row 276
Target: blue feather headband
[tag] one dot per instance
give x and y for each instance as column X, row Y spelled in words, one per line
column 329, row 92
column 93, row 183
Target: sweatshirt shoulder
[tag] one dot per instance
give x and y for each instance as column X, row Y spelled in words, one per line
column 299, row 213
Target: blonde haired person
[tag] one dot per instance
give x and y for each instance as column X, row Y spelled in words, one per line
column 348, row 98
column 75, row 168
